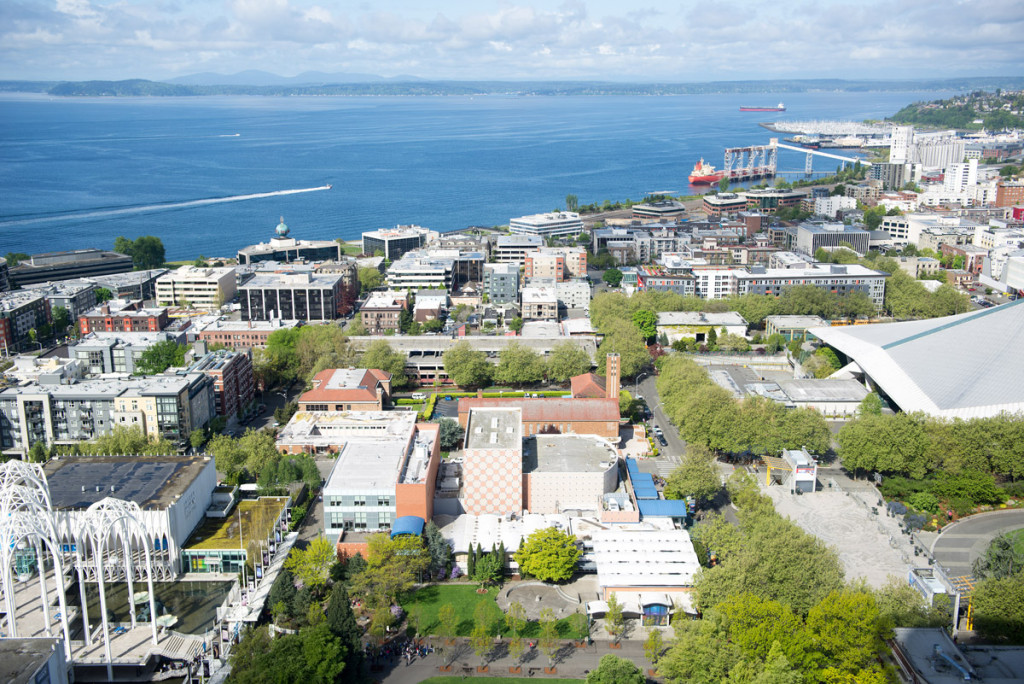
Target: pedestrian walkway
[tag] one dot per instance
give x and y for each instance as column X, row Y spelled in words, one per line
column 571, row 661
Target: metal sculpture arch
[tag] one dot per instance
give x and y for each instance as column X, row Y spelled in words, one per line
column 26, row 520
column 113, row 528
column 107, row 541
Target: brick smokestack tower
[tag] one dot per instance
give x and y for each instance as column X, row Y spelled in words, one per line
column 611, row 376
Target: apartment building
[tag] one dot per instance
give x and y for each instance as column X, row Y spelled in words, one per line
column 514, row 248
column 501, row 283
column 20, row 312
column 382, row 311
column 392, row 243
column 557, row 263
column 305, row 296
column 123, row 315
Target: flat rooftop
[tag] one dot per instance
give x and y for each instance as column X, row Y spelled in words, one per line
column 251, row 519
column 796, row 322
column 700, row 318
column 150, row 481
column 21, row 658
column 494, row 428
column 567, row 454
column 827, row 389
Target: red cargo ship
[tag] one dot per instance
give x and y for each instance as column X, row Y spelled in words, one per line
column 780, row 108
column 705, row 174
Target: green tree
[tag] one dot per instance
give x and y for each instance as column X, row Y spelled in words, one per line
column 901, row 605
column 451, row 433
column 312, row 565
column 567, row 359
column 433, row 325
column 483, row 625
column 623, row 338
column 612, row 669
column 15, row 258
column 467, row 367
column 380, row 355
column 197, row 438
column 712, row 339
column 696, row 476
column 369, row 279
column 723, row 184
column 579, row 623
column 516, row 324
column 646, row 321
column 847, row 629
column 612, row 276
column 147, row 251
column 549, row 555
column 999, row 608
column 515, row 620
column 342, row 623
column 775, row 343
column 548, row 634
column 871, row 405
column 614, row 620
column 654, row 646
column 61, row 320
column 488, row 570
column 572, row 203
column 161, row 356
column 103, row 295
column 1001, row 560
column 448, row 621
column 37, row 453
column 519, row 365
column 393, row 566
column 702, row 653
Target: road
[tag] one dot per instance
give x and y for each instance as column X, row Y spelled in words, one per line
column 961, row 543
column 671, row 455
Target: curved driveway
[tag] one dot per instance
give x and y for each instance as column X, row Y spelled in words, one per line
column 960, row 543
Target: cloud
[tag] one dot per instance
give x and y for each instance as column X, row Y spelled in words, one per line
column 592, row 39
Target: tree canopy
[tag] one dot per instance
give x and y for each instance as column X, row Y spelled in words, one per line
column 380, row 355
column 146, row 251
column 549, row 554
column 517, row 365
column 696, row 476
column 467, row 367
column 567, row 359
column 161, row 356
column 615, row 670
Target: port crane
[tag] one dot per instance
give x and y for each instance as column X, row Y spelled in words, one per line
column 761, row 161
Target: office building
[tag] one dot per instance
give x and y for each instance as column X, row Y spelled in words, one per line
column 287, row 249
column 134, row 285
column 514, row 248
column 242, row 334
column 661, row 279
column 79, row 263
column 202, row 288
column 556, row 263
column 1009, row 193
column 812, row 236
column 385, row 469
column 539, row 303
column 304, row 296
column 553, row 224
column 661, row 211
column 392, row 243
column 770, row 200
column 435, row 268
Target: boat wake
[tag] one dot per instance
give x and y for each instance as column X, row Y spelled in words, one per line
column 78, row 214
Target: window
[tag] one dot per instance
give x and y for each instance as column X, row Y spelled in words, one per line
column 360, row 501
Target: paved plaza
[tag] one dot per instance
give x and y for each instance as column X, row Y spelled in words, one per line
column 870, row 544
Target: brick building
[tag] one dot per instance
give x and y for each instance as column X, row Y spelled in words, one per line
column 382, row 311
column 234, row 384
column 347, row 389
column 123, row 316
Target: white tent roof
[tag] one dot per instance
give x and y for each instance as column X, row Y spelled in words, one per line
column 963, row 366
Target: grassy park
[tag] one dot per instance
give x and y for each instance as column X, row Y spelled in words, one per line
column 464, row 599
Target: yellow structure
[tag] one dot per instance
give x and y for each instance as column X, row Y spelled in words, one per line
column 778, row 464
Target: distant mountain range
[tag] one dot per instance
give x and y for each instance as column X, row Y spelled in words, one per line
column 320, row 84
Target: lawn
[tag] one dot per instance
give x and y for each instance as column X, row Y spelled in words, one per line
column 464, row 598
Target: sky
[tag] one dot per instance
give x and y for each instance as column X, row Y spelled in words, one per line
column 616, row 40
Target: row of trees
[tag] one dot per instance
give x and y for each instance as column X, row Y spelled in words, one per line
column 917, row 445
column 776, row 608
column 708, row 415
column 517, row 365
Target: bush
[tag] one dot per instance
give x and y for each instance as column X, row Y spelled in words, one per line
column 901, row 488
column 925, row 501
column 979, row 488
column 962, row 507
column 1014, row 489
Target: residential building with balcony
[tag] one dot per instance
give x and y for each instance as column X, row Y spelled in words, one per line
column 20, row 312
column 382, row 311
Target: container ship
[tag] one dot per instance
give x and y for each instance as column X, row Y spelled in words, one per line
column 779, row 108
column 705, row 174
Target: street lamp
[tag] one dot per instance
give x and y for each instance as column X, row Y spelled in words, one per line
column 636, row 383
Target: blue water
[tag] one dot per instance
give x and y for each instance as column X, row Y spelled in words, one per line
column 444, row 163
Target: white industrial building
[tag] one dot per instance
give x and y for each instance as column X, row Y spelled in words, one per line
column 551, row 224
column 963, row 366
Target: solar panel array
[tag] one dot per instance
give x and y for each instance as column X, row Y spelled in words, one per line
column 128, row 478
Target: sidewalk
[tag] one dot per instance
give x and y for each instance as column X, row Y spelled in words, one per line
column 572, row 662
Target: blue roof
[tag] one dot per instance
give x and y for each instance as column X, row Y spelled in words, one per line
column 408, row 524
column 662, row 508
column 643, row 484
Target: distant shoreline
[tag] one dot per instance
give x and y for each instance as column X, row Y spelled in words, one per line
column 147, row 88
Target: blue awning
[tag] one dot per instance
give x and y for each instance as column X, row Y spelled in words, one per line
column 662, row 508
column 408, row 524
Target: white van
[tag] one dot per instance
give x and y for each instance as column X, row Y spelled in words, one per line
column 419, row 396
